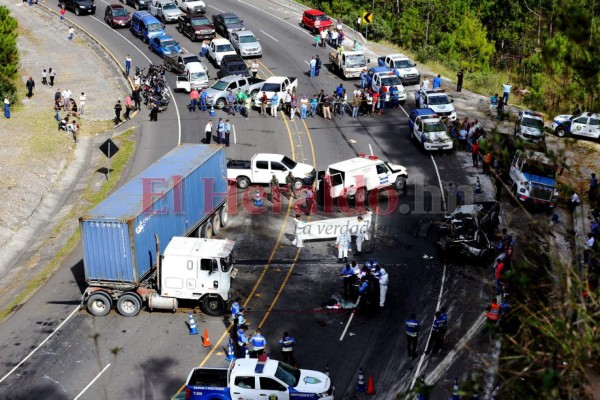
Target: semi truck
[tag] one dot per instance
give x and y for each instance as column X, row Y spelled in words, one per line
column 532, row 179
column 262, row 378
column 184, row 193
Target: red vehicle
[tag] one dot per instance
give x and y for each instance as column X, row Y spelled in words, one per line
column 117, row 16
column 315, row 20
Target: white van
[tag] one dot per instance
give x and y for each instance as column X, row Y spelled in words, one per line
column 194, row 77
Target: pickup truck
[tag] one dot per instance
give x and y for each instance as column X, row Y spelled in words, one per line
column 195, row 26
column 217, row 93
column 383, row 76
column 586, row 124
column 532, row 179
column 191, row 6
column 164, row 10
column 233, row 65
column 262, row 166
column 403, row 67
column 219, row 48
column 349, row 64
column 275, row 84
column 438, row 101
column 262, row 378
column 429, row 130
column 176, row 63
column 194, row 76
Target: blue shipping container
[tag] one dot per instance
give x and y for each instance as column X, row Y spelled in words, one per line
column 172, row 197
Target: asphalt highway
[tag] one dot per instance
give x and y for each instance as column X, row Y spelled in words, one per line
column 149, row 356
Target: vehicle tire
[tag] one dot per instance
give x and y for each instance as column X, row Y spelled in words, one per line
column 216, row 224
column 224, row 215
column 253, row 94
column 179, row 28
column 213, row 306
column 99, row 304
column 298, row 183
column 206, row 231
column 145, row 39
column 129, row 305
column 243, row 182
column 220, row 103
column 400, row 183
column 361, row 196
column 169, row 67
column 302, row 25
column 561, row 132
column 77, row 11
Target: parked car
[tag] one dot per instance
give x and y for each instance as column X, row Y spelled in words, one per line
column 164, row 45
column 219, row 48
column 196, row 27
column 246, row 44
column 529, row 126
column 225, row 23
column 165, row 10
column 233, row 65
column 191, row 6
column 138, row 4
column 145, row 26
column 117, row 16
column 586, row 124
column 79, row 7
column 315, row 20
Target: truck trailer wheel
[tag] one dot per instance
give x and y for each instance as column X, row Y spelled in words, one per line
column 129, row 305
column 216, row 224
column 224, row 214
column 206, row 231
column 400, row 183
column 213, row 306
column 99, row 304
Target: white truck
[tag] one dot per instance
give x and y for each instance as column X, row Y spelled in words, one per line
column 356, row 177
column 275, row 84
column 194, row 76
column 218, row 49
column 218, row 92
column 191, row 6
column 388, row 80
column 164, row 10
column 532, row 179
column 251, row 378
column 586, row 125
column 349, row 63
column 262, row 166
column 403, row 67
column 438, row 101
column 429, row 130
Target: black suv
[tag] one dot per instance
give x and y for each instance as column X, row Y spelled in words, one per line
column 79, row 6
column 195, row 26
column 227, row 22
column 233, row 65
column 138, row 4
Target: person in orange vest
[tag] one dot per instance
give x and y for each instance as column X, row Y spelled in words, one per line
column 492, row 315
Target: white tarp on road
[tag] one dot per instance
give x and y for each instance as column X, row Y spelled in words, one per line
column 330, row 228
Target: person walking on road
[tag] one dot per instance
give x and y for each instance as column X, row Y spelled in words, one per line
column 475, row 154
column 6, row 107
column 259, row 343
column 459, row 80
column 62, row 13
column 349, row 278
column 298, row 231
column 384, row 279
column 437, row 334
column 289, row 183
column 71, row 33
column 274, row 105
column 227, row 129
column 412, row 326
column 154, row 111
column 235, row 308
column 293, row 107
column 127, row 107
column 242, row 341
column 263, row 104
column 203, row 100
column 220, row 130
column 82, row 99
column 312, row 64
column 593, row 186
column 231, row 103
column 127, row 65
column 360, row 232
column 194, row 96
column 30, row 85
column 318, row 65
column 287, row 349
column 51, row 75
column 274, row 186
column 342, row 242
column 118, row 109
column 208, row 132
column 506, row 92
column 254, row 69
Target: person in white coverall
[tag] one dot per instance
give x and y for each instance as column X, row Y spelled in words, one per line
column 343, row 243
column 298, row 230
column 384, row 279
column 367, row 219
column 360, row 235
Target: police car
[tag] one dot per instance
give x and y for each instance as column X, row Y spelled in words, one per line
column 529, row 126
column 586, row 125
column 438, row 101
column 427, row 128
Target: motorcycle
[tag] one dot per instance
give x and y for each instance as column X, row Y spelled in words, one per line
column 163, row 100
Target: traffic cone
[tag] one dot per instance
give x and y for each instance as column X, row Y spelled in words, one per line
column 230, row 354
column 258, row 200
column 370, row 386
column 192, row 323
column 212, row 112
column 205, row 339
column 361, row 381
column 478, row 186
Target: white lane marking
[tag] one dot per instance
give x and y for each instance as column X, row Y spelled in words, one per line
column 218, row 9
column 150, row 61
column 279, row 18
column 92, row 382
column 445, row 364
column 40, row 345
column 269, row 35
column 350, row 319
column 437, row 307
column 234, row 135
column 184, row 49
column 437, row 172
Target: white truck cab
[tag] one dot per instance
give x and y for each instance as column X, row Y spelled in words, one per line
column 388, row 80
column 533, row 179
column 358, row 176
column 194, row 77
column 438, row 101
column 218, row 49
column 403, row 67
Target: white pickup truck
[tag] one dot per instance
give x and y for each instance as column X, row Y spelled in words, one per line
column 194, row 76
column 218, row 49
column 402, row 66
column 357, row 176
column 262, row 166
column 251, row 378
column 275, row 84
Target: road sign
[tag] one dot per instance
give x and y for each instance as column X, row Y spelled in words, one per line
column 109, row 148
column 367, row 18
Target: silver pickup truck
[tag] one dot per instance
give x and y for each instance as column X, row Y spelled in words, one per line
column 217, row 93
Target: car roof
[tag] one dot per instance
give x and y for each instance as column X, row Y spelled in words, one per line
column 314, row 12
column 397, row 56
column 380, row 69
column 227, row 14
column 113, row 6
column 243, row 33
column 164, row 37
column 195, row 15
column 232, row 57
column 422, row 111
column 435, row 92
column 221, row 41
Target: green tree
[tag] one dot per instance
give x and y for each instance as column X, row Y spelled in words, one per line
column 467, row 46
column 9, row 53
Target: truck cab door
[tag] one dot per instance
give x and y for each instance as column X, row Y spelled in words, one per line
column 260, row 172
column 183, row 83
column 337, row 185
column 579, row 126
column 279, row 170
column 383, row 175
column 244, row 387
column 594, row 127
column 272, row 389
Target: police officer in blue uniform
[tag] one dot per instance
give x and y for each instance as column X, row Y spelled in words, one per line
column 437, row 334
column 287, row 349
column 242, row 341
column 412, row 335
column 258, row 343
